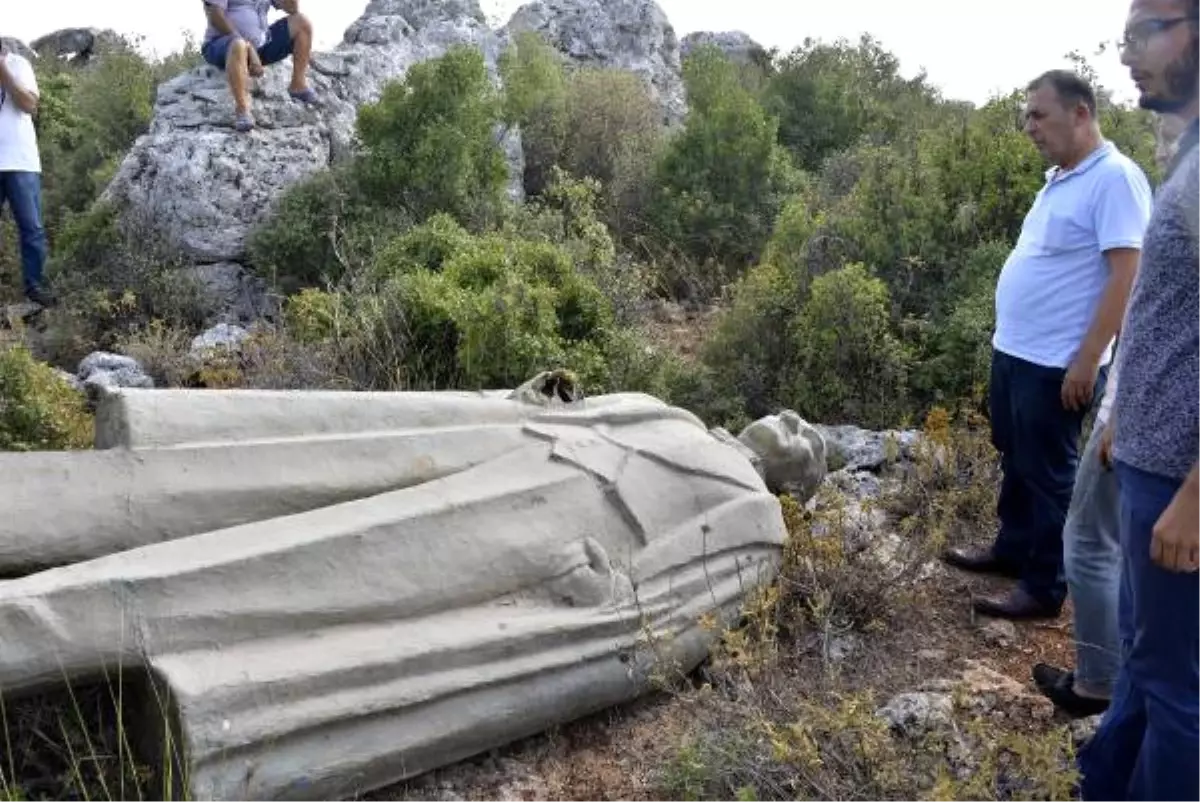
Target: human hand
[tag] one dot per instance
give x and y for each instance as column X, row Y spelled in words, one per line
column 1175, row 541
column 1079, row 385
column 1106, row 445
column 254, row 63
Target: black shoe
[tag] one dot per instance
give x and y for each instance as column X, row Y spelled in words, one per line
column 980, row 561
column 1059, row 687
column 42, row 297
column 1017, row 606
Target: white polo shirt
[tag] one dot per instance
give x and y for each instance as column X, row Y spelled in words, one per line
column 1051, row 285
column 18, row 139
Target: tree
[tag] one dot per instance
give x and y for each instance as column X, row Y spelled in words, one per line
column 723, row 178
column 848, row 366
column 430, row 140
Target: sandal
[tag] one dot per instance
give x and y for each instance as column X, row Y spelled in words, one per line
column 305, row 95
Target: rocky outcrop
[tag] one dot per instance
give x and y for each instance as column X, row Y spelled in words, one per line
column 738, row 46
column 206, row 186
column 632, row 35
column 79, row 45
column 12, row 45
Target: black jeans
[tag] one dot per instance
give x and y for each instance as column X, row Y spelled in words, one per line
column 1038, row 441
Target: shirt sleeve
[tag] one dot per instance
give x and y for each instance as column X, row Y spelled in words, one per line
column 23, row 74
column 1122, row 208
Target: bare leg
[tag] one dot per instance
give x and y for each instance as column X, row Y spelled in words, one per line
column 301, row 31
column 237, row 67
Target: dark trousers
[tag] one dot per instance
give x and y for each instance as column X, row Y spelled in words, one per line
column 1146, row 747
column 1038, row 441
column 22, row 191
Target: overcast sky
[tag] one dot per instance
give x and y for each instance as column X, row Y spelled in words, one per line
column 969, row 49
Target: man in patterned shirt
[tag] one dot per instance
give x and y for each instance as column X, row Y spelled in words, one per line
column 1147, row 744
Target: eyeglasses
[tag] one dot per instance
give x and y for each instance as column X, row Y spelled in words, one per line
column 1135, row 37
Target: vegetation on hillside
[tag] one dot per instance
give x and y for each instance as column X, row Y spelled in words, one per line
column 848, row 223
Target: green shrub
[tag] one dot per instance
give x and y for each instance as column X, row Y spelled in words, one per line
column 535, row 98
column 114, row 274
column 723, row 178
column 39, row 411
column 595, row 123
column 321, row 230
column 848, row 367
column 444, row 308
column 430, row 141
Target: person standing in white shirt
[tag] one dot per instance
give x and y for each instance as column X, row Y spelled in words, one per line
column 1059, row 302
column 21, row 169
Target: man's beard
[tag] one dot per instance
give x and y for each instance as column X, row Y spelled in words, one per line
column 1181, row 81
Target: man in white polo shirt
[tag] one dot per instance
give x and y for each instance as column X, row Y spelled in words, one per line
column 1059, row 303
column 21, row 168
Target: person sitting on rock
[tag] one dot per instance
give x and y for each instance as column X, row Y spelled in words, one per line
column 240, row 42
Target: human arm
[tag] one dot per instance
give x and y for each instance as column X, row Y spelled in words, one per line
column 287, row 6
column 1175, row 542
column 215, row 11
column 1120, row 213
column 19, row 83
column 1080, row 381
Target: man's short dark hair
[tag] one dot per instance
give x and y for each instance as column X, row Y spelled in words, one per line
column 1069, row 86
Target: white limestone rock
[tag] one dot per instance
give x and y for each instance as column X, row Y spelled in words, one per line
column 738, row 46
column 206, row 186
column 855, row 449
column 633, row 35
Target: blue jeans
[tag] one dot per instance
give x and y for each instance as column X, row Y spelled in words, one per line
column 1092, row 557
column 22, row 191
column 1146, row 746
column 1038, row 441
column 277, row 47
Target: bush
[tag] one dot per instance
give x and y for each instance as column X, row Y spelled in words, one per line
column 39, row 410
column 114, row 274
column 430, row 141
column 595, row 123
column 535, row 98
column 848, row 364
column 750, row 353
column 443, row 308
column 723, row 178
column 320, row 231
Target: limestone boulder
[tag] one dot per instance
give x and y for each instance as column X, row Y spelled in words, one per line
column 14, row 45
column 632, row 35
column 206, row 186
column 79, row 45
column 738, row 46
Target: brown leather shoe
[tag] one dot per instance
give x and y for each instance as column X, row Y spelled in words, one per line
column 980, row 561
column 1016, row 605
